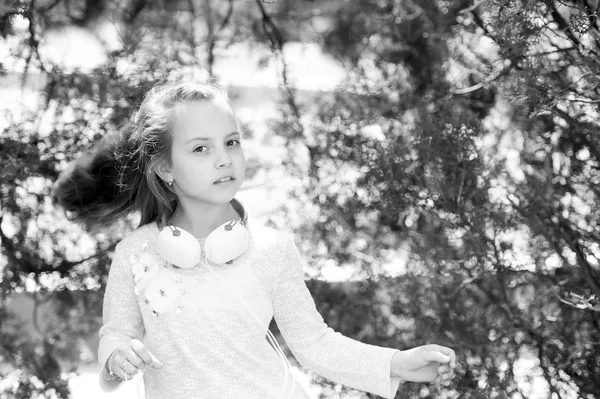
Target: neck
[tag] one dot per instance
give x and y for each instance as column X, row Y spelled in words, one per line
column 200, row 219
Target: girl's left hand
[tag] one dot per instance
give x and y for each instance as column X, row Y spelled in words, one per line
column 427, row 363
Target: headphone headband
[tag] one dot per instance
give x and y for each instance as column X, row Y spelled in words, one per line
column 239, row 208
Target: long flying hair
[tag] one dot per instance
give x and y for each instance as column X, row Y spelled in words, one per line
column 118, row 177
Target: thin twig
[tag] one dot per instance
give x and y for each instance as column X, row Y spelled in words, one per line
column 276, row 39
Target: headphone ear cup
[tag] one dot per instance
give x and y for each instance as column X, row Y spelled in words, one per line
column 180, row 249
column 226, row 243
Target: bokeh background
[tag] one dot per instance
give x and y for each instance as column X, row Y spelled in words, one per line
column 437, row 162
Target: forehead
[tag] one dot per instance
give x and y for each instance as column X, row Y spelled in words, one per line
column 206, row 118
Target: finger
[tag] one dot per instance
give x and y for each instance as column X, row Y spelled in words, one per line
column 140, row 352
column 452, row 355
column 439, row 381
column 135, row 360
column 116, row 363
column 445, row 369
column 121, row 371
column 449, row 352
column 446, row 351
column 447, row 377
column 128, row 368
column 435, row 356
column 447, row 374
column 144, row 354
column 157, row 364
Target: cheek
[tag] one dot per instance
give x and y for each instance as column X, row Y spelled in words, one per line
column 187, row 166
column 241, row 156
column 242, row 167
column 177, row 166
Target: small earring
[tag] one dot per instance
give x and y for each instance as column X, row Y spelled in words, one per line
column 170, row 182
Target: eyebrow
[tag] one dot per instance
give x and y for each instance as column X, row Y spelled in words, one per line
column 210, row 138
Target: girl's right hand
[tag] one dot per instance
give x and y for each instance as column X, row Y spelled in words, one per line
column 128, row 359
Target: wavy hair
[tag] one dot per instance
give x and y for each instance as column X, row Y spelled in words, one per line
column 118, row 177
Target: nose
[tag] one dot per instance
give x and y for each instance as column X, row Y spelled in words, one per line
column 223, row 159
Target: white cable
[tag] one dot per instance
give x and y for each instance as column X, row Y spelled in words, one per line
column 141, row 394
column 286, row 364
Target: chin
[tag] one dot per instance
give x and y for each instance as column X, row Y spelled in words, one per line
column 224, row 195
column 212, row 198
column 217, row 195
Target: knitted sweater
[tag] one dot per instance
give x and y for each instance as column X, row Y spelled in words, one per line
column 209, row 342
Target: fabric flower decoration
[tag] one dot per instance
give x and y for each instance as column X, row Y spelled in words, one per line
column 145, row 269
column 162, row 294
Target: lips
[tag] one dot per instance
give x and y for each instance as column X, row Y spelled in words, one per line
column 224, row 180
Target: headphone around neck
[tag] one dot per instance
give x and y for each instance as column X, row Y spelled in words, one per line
column 222, row 245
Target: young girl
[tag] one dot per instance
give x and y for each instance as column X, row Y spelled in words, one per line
column 191, row 292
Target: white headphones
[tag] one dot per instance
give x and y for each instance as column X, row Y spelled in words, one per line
column 224, row 244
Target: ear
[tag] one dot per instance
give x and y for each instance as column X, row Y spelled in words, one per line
column 164, row 172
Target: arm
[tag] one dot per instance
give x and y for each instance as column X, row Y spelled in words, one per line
column 122, row 319
column 317, row 346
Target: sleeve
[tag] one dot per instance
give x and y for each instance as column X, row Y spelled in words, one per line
column 121, row 316
column 317, row 346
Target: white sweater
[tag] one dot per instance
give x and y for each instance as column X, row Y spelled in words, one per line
column 209, row 342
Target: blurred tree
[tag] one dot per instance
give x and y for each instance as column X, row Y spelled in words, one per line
column 464, row 141
column 467, row 137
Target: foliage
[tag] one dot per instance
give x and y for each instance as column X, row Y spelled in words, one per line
column 415, row 153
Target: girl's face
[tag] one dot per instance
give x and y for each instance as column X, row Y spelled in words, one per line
column 207, row 160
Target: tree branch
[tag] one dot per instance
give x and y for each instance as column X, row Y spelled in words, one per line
column 276, row 39
column 563, row 24
column 192, row 41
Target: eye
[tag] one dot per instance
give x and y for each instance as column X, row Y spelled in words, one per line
column 201, row 148
column 233, row 142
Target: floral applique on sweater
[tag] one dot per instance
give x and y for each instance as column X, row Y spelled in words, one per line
column 160, row 289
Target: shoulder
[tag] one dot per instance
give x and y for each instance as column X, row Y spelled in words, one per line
column 267, row 238
column 138, row 239
column 274, row 253
column 130, row 248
